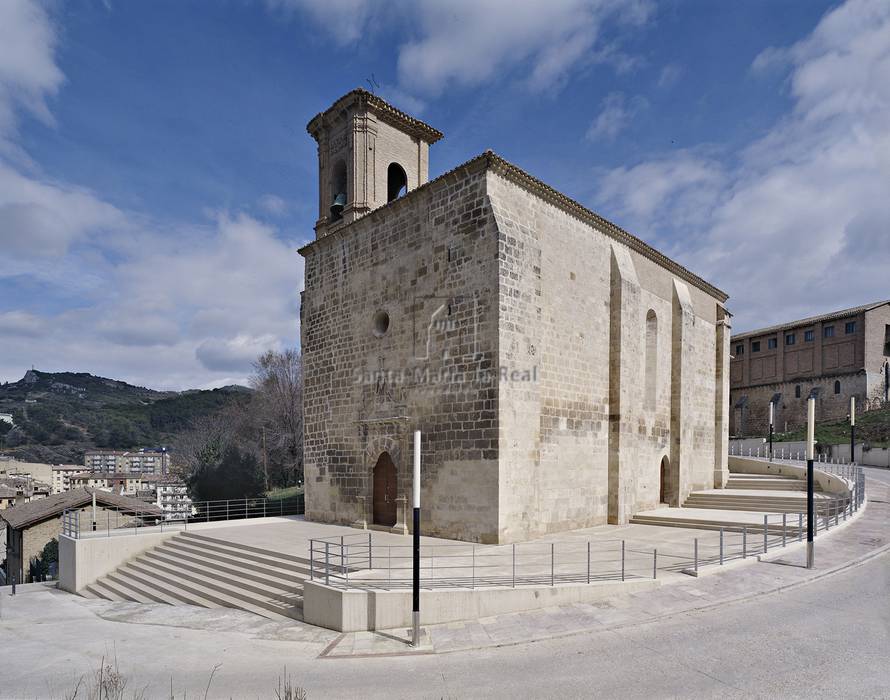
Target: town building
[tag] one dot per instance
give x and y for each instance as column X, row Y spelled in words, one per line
column 61, row 476
column 172, row 498
column 143, row 461
column 8, row 495
column 830, row 357
column 23, row 489
column 563, row 372
column 29, row 527
column 116, row 482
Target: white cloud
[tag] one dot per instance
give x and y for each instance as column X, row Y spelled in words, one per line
column 669, row 75
column 777, row 226
column 40, row 218
column 468, row 43
column 345, row 19
column 499, row 36
column 109, row 291
column 616, row 114
column 20, row 324
column 188, row 307
column 28, row 72
column 273, row 204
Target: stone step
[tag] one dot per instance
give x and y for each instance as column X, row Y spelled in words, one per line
column 124, row 579
column 708, row 524
column 225, row 562
column 293, row 558
column 760, row 508
column 282, row 590
column 106, row 591
column 223, row 594
column 163, row 586
column 791, row 485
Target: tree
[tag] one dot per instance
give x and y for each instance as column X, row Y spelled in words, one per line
column 277, row 408
column 204, row 444
column 236, row 475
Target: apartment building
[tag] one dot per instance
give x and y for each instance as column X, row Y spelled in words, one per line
column 172, row 498
column 147, row 460
column 61, row 476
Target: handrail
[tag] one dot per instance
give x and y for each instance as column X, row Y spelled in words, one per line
column 78, row 523
column 358, row 562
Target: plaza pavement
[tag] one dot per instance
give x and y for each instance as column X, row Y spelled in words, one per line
column 51, row 637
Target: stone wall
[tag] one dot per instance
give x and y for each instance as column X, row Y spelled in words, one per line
column 428, row 262
column 583, row 445
column 573, row 365
column 752, row 418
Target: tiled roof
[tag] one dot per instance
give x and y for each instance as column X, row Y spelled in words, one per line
column 54, row 505
column 831, row 316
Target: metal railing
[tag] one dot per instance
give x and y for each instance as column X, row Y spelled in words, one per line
column 357, row 561
column 79, row 523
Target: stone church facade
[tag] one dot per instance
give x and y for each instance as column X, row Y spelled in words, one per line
column 564, row 374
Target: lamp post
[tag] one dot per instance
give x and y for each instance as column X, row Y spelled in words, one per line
column 811, row 439
column 771, row 416
column 415, row 610
column 852, row 429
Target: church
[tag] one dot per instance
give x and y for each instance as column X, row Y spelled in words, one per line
column 564, row 374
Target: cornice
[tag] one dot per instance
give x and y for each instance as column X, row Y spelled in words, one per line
column 392, row 115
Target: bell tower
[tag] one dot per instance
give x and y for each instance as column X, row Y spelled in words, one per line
column 369, row 153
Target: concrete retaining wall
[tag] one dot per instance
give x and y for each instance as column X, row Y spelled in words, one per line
column 358, row 610
column 83, row 561
column 829, row 482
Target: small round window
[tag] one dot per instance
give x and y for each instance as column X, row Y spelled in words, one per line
column 381, row 323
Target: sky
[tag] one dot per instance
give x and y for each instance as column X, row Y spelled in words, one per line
column 156, row 178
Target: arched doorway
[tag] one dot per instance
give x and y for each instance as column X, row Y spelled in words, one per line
column 663, row 480
column 385, row 491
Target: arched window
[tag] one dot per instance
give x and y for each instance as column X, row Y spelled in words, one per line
column 837, row 387
column 651, row 358
column 797, row 391
column 396, row 182
column 338, row 190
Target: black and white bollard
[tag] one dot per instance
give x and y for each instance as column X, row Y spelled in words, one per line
column 415, row 610
column 811, row 516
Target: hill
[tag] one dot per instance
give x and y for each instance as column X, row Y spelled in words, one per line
column 872, row 427
column 59, row 415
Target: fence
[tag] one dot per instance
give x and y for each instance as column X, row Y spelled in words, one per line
column 356, row 561
column 78, row 523
column 783, row 452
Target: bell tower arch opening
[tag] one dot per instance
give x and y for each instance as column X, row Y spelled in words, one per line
column 369, row 153
column 396, row 182
column 339, row 190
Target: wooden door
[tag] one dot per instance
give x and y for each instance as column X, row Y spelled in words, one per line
column 385, row 491
column 663, row 481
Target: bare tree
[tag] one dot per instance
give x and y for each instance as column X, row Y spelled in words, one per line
column 205, row 443
column 278, row 408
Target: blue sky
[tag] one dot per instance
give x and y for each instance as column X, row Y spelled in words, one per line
column 156, row 177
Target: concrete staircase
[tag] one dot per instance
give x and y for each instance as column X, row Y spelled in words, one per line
column 742, row 504
column 768, row 482
column 196, row 569
column 761, row 502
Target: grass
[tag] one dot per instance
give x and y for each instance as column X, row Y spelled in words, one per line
column 108, row 683
column 280, row 494
column 872, row 427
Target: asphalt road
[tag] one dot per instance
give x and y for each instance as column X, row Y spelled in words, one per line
column 830, row 638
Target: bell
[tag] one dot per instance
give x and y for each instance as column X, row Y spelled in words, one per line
column 337, row 206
